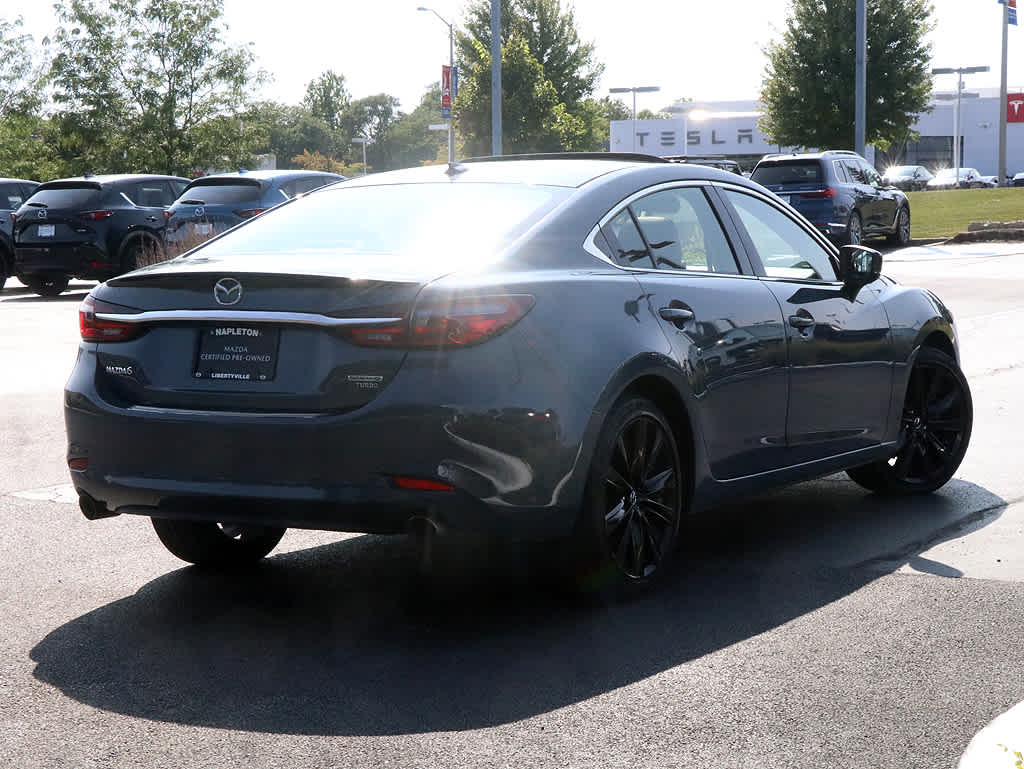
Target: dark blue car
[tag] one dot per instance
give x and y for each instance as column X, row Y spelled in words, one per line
column 13, row 192
column 840, row 193
column 212, row 204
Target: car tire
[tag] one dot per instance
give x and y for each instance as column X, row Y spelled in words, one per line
column 628, row 533
column 901, row 234
column 47, row 285
column 935, row 430
column 854, row 230
column 6, row 267
column 216, row 545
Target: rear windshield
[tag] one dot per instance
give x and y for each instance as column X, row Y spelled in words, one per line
column 221, row 192
column 10, row 195
column 788, row 172
column 65, row 195
column 450, row 224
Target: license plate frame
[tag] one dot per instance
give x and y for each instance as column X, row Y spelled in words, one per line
column 46, row 230
column 202, row 229
column 237, row 353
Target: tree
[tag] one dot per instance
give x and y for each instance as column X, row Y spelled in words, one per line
column 22, row 70
column 808, row 92
column 327, row 98
column 135, row 79
column 412, row 141
column 549, row 33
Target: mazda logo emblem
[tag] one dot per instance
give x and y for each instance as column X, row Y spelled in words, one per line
column 41, row 213
column 227, row 291
column 200, row 212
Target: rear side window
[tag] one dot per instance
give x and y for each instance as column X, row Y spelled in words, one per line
column 222, row 192
column 622, row 236
column 10, row 195
column 788, row 172
column 683, row 232
column 65, row 196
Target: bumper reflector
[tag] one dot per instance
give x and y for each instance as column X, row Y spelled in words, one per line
column 422, row 484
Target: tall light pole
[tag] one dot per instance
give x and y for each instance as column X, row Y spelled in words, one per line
column 451, row 71
column 860, row 80
column 959, row 72
column 635, row 90
column 364, row 141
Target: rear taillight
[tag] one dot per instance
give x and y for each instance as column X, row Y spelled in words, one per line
column 459, row 323
column 95, row 329
column 168, row 213
column 96, row 215
column 828, row 192
column 14, row 217
column 248, row 213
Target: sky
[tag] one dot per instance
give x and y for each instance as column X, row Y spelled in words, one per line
column 708, row 51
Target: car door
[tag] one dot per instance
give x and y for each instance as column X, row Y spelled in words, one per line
column 887, row 199
column 865, row 193
column 725, row 328
column 840, row 346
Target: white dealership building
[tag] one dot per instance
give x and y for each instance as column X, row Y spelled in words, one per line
column 729, row 129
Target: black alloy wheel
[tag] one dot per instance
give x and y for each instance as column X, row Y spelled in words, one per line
column 854, row 231
column 901, row 235
column 934, row 432
column 634, row 504
column 217, row 545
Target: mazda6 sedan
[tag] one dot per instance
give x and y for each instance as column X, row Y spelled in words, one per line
column 581, row 351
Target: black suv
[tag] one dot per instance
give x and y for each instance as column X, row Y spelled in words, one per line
column 13, row 193
column 92, row 227
column 839, row 192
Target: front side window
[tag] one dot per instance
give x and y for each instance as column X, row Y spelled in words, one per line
column 785, row 248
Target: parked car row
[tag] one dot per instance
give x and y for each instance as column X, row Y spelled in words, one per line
column 920, row 178
column 97, row 227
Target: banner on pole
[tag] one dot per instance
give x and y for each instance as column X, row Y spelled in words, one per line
column 1015, row 108
column 1011, row 16
column 446, row 91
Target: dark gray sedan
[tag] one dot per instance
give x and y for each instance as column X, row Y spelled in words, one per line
column 578, row 350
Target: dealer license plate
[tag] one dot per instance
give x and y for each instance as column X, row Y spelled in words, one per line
column 202, row 228
column 237, row 353
column 45, row 230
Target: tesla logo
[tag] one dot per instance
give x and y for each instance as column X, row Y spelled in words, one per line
column 42, row 213
column 1015, row 108
column 227, row 291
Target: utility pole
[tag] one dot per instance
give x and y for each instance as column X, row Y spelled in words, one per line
column 495, row 77
column 1002, row 98
column 861, row 78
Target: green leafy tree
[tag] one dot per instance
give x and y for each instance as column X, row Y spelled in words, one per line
column 808, row 93
column 412, row 141
column 134, row 80
column 22, row 70
column 549, row 32
column 327, row 98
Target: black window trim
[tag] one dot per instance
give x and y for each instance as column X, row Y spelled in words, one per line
column 723, row 215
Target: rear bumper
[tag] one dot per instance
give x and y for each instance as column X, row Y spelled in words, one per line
column 81, row 261
column 324, row 471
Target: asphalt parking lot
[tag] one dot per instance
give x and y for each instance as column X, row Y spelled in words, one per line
column 814, row 626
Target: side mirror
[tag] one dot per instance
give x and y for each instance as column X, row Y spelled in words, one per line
column 859, row 265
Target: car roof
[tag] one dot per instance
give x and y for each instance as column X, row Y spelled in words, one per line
column 555, row 170
column 114, row 178
column 268, row 174
column 808, row 155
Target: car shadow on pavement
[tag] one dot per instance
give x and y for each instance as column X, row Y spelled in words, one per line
column 333, row 640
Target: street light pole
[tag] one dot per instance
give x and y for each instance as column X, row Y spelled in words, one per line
column 959, row 72
column 364, row 141
column 451, row 74
column 635, row 90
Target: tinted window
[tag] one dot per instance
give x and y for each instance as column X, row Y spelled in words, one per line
column 10, row 195
column 683, row 232
column 856, row 172
column 451, row 224
column 840, row 170
column 788, row 172
column 785, row 248
column 223, row 192
column 150, row 194
column 628, row 248
column 66, row 196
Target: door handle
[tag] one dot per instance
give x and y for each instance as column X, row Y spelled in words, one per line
column 675, row 314
column 150, row 218
column 801, row 321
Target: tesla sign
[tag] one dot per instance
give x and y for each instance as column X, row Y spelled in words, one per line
column 1015, row 108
